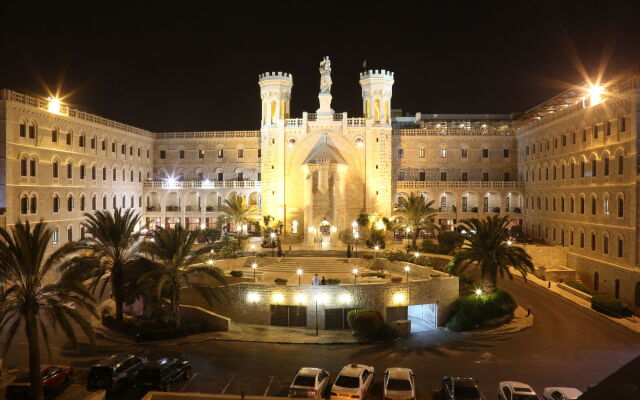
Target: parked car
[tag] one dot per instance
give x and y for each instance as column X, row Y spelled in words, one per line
column 561, row 393
column 353, row 382
column 399, row 384
column 510, row 390
column 310, row 382
column 54, row 378
column 161, row 373
column 457, row 387
column 115, row 373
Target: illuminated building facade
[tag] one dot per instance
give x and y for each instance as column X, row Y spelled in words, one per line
column 567, row 171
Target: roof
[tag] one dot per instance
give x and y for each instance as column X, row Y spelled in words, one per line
column 159, row 362
column 399, row 373
column 570, row 392
column 324, row 152
column 353, row 369
column 519, row 387
column 114, row 359
column 308, row 371
column 461, row 380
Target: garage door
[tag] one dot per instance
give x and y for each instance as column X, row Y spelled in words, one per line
column 336, row 318
column 288, row 315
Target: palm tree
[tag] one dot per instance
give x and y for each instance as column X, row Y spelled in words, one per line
column 417, row 213
column 112, row 239
column 176, row 264
column 36, row 301
column 236, row 211
column 488, row 247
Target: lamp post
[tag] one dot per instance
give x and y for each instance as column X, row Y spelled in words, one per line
column 407, row 269
column 254, row 266
column 253, row 249
column 355, row 276
column 408, row 231
column 299, row 272
column 355, row 242
column 376, row 248
column 272, row 235
column 416, row 255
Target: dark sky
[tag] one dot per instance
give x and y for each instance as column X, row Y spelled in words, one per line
column 186, row 67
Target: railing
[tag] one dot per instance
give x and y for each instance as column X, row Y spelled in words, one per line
column 207, row 135
column 338, row 117
column 459, row 184
column 172, row 208
column 203, row 184
column 356, row 122
column 453, row 132
column 294, row 122
column 312, row 117
column 43, row 104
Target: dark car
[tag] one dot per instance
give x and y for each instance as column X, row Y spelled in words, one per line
column 54, row 378
column 160, row 373
column 114, row 373
column 456, row 388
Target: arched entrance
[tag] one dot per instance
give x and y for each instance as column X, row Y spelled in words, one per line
column 324, row 234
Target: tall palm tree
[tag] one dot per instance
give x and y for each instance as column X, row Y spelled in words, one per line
column 416, row 213
column 112, row 239
column 37, row 296
column 175, row 264
column 237, row 211
column 488, row 247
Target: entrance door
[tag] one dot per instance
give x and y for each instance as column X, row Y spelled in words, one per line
column 325, row 234
column 423, row 317
column 288, row 315
column 336, row 318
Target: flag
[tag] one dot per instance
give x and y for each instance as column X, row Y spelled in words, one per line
column 364, row 64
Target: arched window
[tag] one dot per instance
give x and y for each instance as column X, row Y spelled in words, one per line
column 24, row 204
column 620, row 247
column 82, row 171
column 69, row 170
column 605, row 244
column 70, row 203
column 24, row 168
column 581, row 204
column 593, row 205
column 582, row 240
column 55, row 169
column 104, row 202
column 620, row 207
column 32, row 166
column 605, row 166
column 34, row 204
column 82, row 202
column 115, row 202
column 56, row 203
column 572, row 205
column 55, row 237
column 620, row 164
column 93, row 172
column 616, row 289
column 69, row 234
column 93, row 202
column 593, row 241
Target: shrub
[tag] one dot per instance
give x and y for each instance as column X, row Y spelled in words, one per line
column 474, row 309
column 281, row 281
column 580, row 286
column 368, row 256
column 609, row 305
column 396, row 279
column 333, row 281
column 395, row 255
column 237, row 274
column 143, row 330
column 448, row 241
column 369, row 325
column 429, row 246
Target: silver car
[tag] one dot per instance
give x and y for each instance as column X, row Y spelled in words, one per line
column 310, row 382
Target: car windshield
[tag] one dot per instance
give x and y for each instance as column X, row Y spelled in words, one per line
column 398, row 384
column 95, row 371
column 148, row 374
column 525, row 397
column 467, row 392
column 301, row 380
column 348, row 381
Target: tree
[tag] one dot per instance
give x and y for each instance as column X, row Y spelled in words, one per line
column 112, row 240
column 235, row 210
column 175, row 263
column 31, row 298
column 416, row 213
column 487, row 246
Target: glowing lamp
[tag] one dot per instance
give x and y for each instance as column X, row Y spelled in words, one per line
column 322, row 298
column 354, row 224
column 407, row 268
column 54, row 105
column 277, row 298
column 344, row 298
column 416, row 254
column 301, row 298
column 399, row 298
column 354, row 271
column 356, row 235
column 595, row 94
column 272, row 235
column 210, row 261
column 253, row 297
column 478, row 292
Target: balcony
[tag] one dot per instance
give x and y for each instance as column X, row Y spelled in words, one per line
column 160, row 184
column 172, row 208
column 459, row 185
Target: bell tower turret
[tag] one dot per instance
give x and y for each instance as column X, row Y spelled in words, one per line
column 376, row 95
column 275, row 92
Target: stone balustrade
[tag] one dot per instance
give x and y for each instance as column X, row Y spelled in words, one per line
column 203, row 184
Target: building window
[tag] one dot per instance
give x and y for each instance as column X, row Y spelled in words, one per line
column 463, row 153
column 443, row 176
column 620, row 165
column 32, row 131
column 240, row 153
column 620, row 243
column 55, row 237
column 581, row 205
column 595, row 131
column 70, row 203
column 93, row 143
column 463, row 176
column 113, row 147
column 622, row 124
column 23, row 130
column 69, row 139
column 607, row 128
column 593, row 242
column 582, row 240
column 593, row 168
column 115, row 202
column 259, row 153
column 220, row 153
column 400, row 153
column 605, row 167
column 572, row 205
column 200, row 153
column 23, row 167
column 113, row 174
column 81, row 141
column 69, row 234
column 104, row 202
column 24, row 204
column 93, row 172
column 485, row 153
column 582, row 169
column 240, row 176
column 103, row 146
column 93, row 202
column 573, row 170
column 564, row 140
column 123, row 149
column 584, row 135
column 69, row 170
column 181, row 154
column 505, row 153
column 422, row 176
column 593, row 206
column 400, row 176
column 56, row 203
column 443, row 153
column 55, row 169
column 421, row 153
column 605, row 245
column 82, row 202
column 485, row 176
column 605, row 206
column 163, row 154
column 54, row 136
column 562, row 204
column 220, row 176
column 32, row 167
column 620, row 207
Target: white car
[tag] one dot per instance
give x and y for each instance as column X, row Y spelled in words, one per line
column 310, row 382
column 353, row 382
column 510, row 390
column 399, row 384
column 561, row 393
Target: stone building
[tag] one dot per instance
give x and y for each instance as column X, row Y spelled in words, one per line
column 567, row 170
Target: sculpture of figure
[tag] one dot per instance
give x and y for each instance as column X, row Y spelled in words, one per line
column 325, row 75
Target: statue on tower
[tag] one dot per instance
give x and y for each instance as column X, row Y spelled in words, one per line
column 325, row 75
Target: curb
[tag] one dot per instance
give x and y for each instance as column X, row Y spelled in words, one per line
column 530, row 321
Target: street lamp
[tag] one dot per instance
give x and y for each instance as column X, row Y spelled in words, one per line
column 299, row 272
column 355, row 275
column 376, row 248
column 255, row 267
column 407, row 269
column 355, row 242
column 253, row 249
column 478, row 292
column 272, row 235
column 509, row 242
column 416, row 255
column 408, row 231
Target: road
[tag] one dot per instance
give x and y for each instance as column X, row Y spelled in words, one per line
column 568, row 345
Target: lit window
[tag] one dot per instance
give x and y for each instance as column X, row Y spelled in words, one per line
column 443, row 153
column 421, row 153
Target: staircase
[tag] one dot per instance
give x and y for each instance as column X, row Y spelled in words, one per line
column 310, row 265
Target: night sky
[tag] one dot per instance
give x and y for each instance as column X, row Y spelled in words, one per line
column 188, row 68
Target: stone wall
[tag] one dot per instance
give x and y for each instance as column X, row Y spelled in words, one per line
column 213, row 321
column 547, row 256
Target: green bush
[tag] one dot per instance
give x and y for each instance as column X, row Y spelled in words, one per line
column 579, row 286
column 609, row 305
column 448, row 241
column 429, row 246
column 395, row 255
column 143, row 330
column 369, row 325
column 333, row 281
column 474, row 309
column 368, row 256
column 281, row 281
column 236, row 274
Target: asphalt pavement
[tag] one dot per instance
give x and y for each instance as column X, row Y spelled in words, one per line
column 567, row 346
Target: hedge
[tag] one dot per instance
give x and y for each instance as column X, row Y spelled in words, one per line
column 237, row 274
column 474, row 309
column 369, row 325
column 148, row 331
column 609, row 305
column 580, row 286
